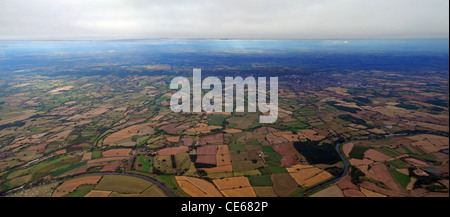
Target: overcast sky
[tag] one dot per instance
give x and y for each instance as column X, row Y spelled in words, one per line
column 250, row 19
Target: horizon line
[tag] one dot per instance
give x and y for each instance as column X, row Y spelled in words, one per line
column 236, row 39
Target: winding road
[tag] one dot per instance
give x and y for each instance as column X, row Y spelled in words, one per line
column 344, row 173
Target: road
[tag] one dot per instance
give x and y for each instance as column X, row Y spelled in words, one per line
column 344, row 173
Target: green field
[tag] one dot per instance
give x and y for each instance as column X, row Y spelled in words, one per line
column 80, row 191
column 69, row 168
column 242, row 121
column 358, row 152
column 237, row 147
column 278, row 170
column 427, row 157
column 389, row 152
column 401, row 178
column 217, row 120
column 264, row 180
column 245, row 166
column 145, row 162
column 96, row 154
column 47, row 164
column 254, row 142
column 264, row 171
column 273, row 157
column 399, row 164
column 407, row 149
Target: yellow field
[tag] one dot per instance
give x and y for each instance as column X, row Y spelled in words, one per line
column 309, row 134
column 235, row 187
column 86, row 156
column 298, row 167
column 202, row 129
column 301, row 176
column 240, row 192
column 317, row 179
column 232, row 183
column 97, row 193
column 306, row 175
column 173, row 138
column 288, row 135
column 124, row 134
column 232, row 131
column 219, row 169
column 369, row 193
column 197, row 187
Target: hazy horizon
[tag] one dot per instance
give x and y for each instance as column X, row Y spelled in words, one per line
column 232, row 19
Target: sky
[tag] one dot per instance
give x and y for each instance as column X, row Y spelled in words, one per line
column 232, row 19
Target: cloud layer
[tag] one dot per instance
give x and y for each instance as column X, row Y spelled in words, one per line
column 251, row 19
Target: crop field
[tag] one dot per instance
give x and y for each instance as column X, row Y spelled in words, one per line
column 358, row 152
column 264, row 180
column 377, row 155
column 308, row 176
column 197, row 187
column 116, row 153
column 71, row 185
column 240, row 192
column 145, row 163
column 235, row 187
column 283, row 184
column 216, row 120
column 273, row 158
column 401, row 178
column 232, row 183
column 264, row 192
column 211, row 139
column 289, row 155
column 111, row 167
column 97, row 193
column 173, row 151
column 123, row 134
column 242, row 120
column 81, row 191
column 332, row 191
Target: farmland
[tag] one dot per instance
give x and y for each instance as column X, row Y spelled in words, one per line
column 82, row 132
